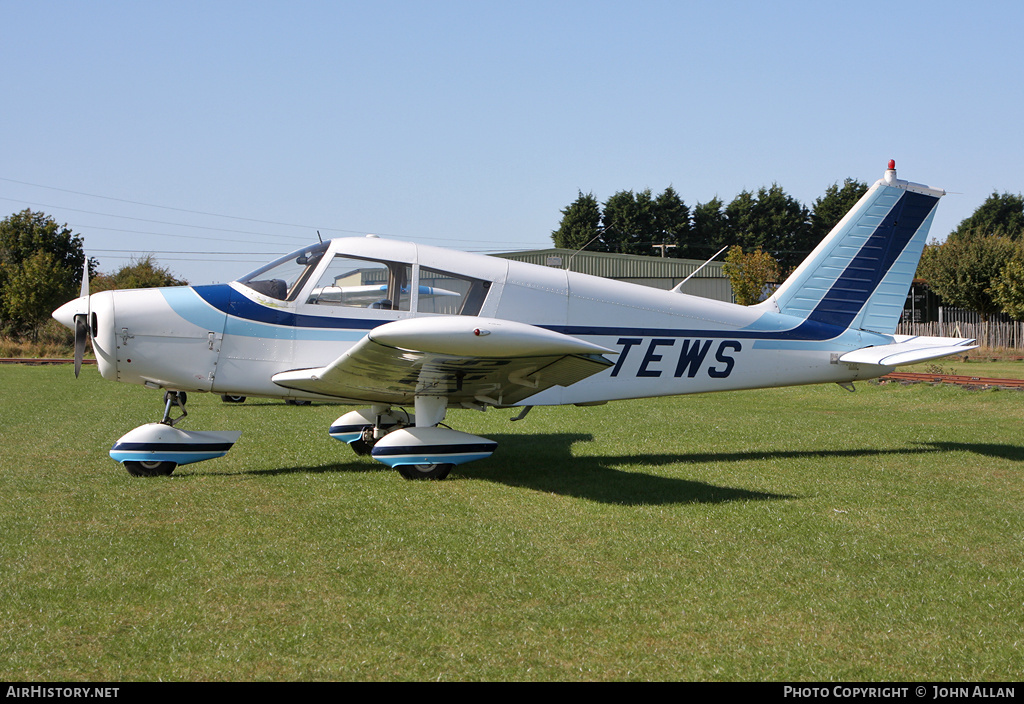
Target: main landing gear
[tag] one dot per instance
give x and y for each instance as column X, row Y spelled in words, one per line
column 414, row 445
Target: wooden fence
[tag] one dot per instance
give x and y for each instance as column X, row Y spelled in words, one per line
column 1005, row 334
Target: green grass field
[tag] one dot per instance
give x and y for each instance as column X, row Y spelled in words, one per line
column 791, row 534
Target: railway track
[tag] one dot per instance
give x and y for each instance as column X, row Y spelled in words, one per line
column 958, row 379
column 909, row 377
column 41, row 360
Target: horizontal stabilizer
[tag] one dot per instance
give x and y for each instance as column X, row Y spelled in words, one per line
column 909, row 350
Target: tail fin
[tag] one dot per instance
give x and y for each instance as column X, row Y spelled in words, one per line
column 859, row 275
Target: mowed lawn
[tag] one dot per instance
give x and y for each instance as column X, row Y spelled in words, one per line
column 792, row 534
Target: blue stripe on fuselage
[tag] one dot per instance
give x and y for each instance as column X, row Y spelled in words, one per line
column 224, row 298
column 251, row 319
column 219, row 307
column 812, row 332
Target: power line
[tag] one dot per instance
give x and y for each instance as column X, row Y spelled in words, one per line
column 157, row 222
column 169, row 251
column 154, row 205
column 311, row 228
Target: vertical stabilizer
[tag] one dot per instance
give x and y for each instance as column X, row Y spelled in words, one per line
column 859, row 275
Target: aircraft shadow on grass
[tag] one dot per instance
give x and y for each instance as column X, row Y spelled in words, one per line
column 546, row 463
column 1014, row 453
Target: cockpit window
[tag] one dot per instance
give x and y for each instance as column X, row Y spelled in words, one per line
column 366, row 283
column 283, row 278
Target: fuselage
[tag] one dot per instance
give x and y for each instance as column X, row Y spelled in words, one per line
column 308, row 308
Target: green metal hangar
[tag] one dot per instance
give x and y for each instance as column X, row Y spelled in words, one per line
column 656, row 272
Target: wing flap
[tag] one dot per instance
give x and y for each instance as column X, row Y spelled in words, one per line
column 909, row 350
column 467, row 360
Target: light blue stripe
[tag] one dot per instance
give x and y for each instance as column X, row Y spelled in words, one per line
column 184, row 301
column 395, row 460
column 347, row 437
column 850, row 339
column 176, row 457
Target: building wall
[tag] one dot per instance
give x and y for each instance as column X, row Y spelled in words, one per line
column 656, row 272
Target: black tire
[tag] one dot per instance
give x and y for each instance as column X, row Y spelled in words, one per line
column 231, row 398
column 150, row 469
column 182, row 397
column 436, row 472
column 297, row 401
column 361, row 447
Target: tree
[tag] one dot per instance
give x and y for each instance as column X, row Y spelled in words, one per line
column 581, row 223
column 1000, row 214
column 24, row 237
column 1008, row 288
column 772, row 221
column 830, row 208
column 140, row 273
column 33, row 290
column 628, row 223
column 672, row 225
column 962, row 271
column 750, row 274
column 710, row 228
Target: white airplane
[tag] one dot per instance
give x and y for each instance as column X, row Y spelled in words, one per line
column 445, row 329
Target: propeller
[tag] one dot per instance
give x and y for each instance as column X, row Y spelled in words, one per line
column 81, row 332
column 82, row 320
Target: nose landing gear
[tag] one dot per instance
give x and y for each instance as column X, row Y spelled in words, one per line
column 172, row 399
column 156, row 449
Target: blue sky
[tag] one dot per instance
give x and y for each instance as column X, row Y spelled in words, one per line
column 218, row 134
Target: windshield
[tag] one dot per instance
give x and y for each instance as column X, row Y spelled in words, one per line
column 283, row 277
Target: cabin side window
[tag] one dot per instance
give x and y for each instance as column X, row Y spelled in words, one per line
column 363, row 283
column 450, row 294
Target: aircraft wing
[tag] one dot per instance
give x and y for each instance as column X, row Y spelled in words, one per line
column 909, row 350
column 466, row 359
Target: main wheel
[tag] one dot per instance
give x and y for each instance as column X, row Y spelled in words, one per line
column 361, row 447
column 232, row 398
column 150, row 469
column 424, row 471
column 182, row 397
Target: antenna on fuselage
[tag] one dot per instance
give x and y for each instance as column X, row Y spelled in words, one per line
column 679, row 286
column 319, row 237
column 568, row 265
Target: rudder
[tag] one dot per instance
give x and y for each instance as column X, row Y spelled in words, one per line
column 859, row 275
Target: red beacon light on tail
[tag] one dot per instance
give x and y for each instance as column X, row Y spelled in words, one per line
column 890, row 174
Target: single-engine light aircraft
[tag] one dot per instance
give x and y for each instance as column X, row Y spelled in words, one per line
column 389, row 325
